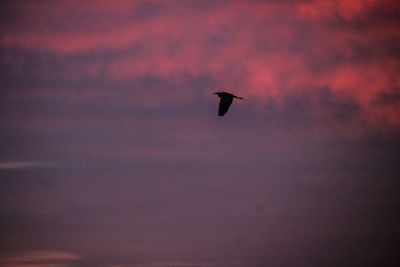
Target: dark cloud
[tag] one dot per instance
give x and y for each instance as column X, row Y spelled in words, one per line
column 318, row 108
column 148, row 10
column 387, row 98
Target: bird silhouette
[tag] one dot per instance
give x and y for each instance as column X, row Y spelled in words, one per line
column 225, row 102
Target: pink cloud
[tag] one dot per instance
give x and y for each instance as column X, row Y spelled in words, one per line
column 345, row 8
column 265, row 50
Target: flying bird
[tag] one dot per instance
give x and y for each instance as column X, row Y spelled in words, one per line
column 225, row 102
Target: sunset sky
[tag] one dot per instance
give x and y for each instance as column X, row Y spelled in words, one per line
column 112, row 152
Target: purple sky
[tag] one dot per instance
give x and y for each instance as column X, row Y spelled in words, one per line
column 112, row 153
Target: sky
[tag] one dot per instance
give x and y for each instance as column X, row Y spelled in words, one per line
column 112, row 152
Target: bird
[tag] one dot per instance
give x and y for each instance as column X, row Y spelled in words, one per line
column 225, row 102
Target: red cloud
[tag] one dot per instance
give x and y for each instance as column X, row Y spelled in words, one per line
column 266, row 50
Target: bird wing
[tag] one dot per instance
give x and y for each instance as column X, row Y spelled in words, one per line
column 236, row 96
column 224, row 105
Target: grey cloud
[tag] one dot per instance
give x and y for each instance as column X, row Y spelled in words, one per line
column 387, row 98
column 308, row 109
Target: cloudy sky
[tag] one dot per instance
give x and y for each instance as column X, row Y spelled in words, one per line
column 112, row 152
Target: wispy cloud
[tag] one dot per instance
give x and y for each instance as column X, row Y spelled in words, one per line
column 24, row 164
column 40, row 258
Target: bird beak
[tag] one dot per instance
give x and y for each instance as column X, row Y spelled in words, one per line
column 215, row 93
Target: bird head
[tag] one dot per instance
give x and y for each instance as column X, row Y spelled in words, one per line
column 217, row 93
